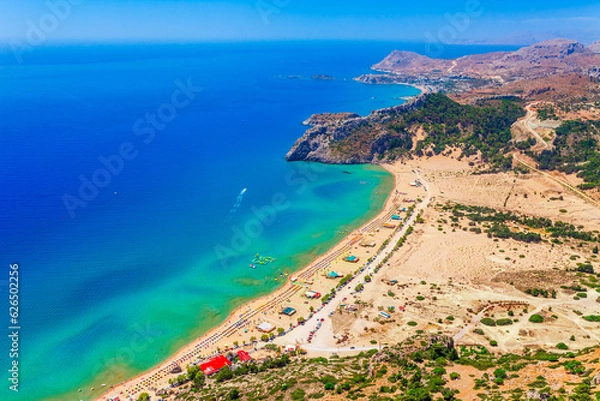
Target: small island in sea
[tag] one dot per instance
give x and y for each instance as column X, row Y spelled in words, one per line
column 323, row 77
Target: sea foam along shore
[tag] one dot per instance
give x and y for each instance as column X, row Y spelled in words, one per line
column 239, row 326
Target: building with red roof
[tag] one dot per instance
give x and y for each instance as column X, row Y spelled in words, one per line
column 213, row 365
column 244, row 356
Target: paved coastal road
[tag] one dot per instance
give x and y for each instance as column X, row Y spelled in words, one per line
column 322, row 338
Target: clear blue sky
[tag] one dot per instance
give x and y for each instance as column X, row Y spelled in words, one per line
column 203, row 20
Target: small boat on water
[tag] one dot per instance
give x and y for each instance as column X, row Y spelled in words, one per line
column 252, row 266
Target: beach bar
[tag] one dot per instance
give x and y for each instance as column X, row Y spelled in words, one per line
column 265, row 327
column 368, row 243
column 352, row 259
column 213, row 365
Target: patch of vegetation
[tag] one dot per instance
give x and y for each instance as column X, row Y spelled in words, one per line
column 575, row 151
column 497, row 222
column 536, row 318
column 484, row 129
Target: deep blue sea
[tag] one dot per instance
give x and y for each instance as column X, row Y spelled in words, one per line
column 138, row 181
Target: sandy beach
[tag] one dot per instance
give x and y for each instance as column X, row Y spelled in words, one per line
column 469, row 276
column 239, row 330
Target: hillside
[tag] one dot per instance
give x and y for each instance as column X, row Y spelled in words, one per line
column 557, row 56
column 421, row 368
column 427, row 125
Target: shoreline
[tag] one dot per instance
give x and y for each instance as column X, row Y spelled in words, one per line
column 213, row 337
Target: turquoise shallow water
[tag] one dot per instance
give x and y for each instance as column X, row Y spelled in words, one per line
column 155, row 257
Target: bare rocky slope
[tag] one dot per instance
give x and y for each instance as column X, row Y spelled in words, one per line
column 557, row 56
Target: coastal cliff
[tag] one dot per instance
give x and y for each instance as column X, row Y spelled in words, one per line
column 347, row 138
column 427, row 125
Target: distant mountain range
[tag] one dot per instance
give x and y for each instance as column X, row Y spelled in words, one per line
column 556, row 56
column 554, row 70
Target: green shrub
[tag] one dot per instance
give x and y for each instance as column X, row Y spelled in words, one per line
column 488, row 321
column 298, row 394
column 536, row 318
column 574, row 367
column 562, row 346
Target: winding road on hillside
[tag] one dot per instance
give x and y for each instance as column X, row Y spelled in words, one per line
column 524, row 125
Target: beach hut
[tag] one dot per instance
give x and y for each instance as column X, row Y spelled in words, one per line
column 368, row 243
column 265, row 327
column 396, row 217
column 290, row 348
column 244, row 356
column 289, row 311
column 352, row 259
column 389, row 225
column 333, row 274
column 312, row 295
column 213, row 365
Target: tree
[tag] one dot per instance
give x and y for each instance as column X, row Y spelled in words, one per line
column 280, row 330
column 192, row 371
column 199, row 380
column 595, row 250
column 501, row 373
column 234, row 394
column 264, row 337
column 224, row 374
column 144, row 397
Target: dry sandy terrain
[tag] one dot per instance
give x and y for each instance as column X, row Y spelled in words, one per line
column 458, row 273
column 445, row 278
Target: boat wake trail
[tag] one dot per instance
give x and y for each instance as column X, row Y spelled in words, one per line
column 236, row 205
